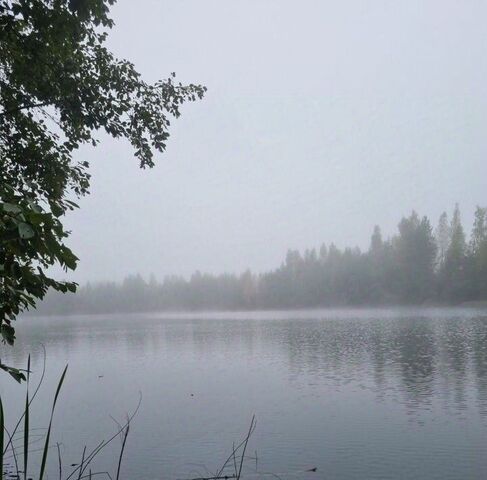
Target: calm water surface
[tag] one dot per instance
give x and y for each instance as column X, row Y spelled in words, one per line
column 371, row 394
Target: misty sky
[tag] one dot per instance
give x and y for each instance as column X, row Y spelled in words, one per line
column 322, row 118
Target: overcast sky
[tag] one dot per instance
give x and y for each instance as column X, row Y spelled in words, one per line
column 322, row 118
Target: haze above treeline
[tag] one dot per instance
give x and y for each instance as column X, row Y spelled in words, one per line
column 418, row 265
column 321, row 119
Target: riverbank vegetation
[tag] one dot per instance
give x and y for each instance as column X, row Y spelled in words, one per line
column 418, row 265
column 19, row 442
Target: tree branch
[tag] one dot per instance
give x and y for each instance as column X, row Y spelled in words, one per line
column 31, row 105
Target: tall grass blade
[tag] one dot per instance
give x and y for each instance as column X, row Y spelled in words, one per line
column 103, row 444
column 48, row 435
column 19, row 421
column 82, row 463
column 26, row 421
column 14, row 454
column 124, row 441
column 243, row 444
column 2, row 426
column 59, row 461
column 251, row 429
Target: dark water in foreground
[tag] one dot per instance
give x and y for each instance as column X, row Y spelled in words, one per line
column 372, row 394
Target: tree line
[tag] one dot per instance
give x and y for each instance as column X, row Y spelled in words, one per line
column 418, row 265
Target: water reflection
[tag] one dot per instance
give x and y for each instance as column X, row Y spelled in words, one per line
column 356, row 392
column 442, row 354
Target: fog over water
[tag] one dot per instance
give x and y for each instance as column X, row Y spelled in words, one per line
column 321, row 119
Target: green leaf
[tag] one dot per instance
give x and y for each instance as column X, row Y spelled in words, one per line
column 10, row 208
column 8, row 333
column 56, row 209
column 36, row 208
column 25, row 231
column 17, row 375
column 14, row 372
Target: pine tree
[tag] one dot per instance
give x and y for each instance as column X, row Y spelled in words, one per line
column 442, row 236
column 323, row 253
column 478, row 254
column 415, row 256
column 479, row 230
column 376, row 241
column 458, row 247
column 454, row 276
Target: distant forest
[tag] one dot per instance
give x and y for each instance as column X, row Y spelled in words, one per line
column 419, row 265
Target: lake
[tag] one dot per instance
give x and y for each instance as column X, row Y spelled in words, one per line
column 358, row 394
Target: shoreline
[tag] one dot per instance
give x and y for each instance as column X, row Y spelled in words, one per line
column 302, row 311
